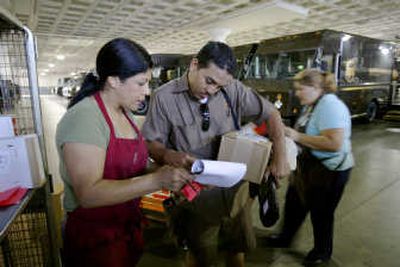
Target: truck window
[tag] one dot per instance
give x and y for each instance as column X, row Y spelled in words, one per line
column 281, row 66
column 365, row 61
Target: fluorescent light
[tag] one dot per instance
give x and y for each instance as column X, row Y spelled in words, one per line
column 60, row 57
column 51, row 65
column 258, row 16
column 346, row 37
column 46, row 70
column 384, row 50
column 219, row 34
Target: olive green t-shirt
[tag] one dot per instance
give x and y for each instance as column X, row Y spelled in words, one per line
column 83, row 123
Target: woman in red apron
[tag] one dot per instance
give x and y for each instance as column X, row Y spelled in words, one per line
column 104, row 227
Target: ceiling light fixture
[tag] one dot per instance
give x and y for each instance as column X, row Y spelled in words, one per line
column 255, row 17
column 346, row 37
column 219, row 34
column 384, row 50
column 51, row 65
column 60, row 57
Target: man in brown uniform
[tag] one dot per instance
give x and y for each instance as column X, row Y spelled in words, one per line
column 186, row 119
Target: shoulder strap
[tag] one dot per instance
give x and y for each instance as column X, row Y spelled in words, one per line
column 304, row 118
column 340, row 164
column 132, row 123
column 229, row 102
column 103, row 110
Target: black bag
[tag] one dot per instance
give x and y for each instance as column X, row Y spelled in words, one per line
column 269, row 209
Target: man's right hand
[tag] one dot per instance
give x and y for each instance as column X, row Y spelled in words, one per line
column 178, row 159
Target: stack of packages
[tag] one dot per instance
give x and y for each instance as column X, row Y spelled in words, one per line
column 152, row 205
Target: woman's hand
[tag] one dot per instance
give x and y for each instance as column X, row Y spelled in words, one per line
column 178, row 159
column 292, row 133
column 173, row 178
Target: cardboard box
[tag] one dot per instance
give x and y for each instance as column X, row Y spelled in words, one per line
column 58, row 215
column 253, row 150
column 21, row 162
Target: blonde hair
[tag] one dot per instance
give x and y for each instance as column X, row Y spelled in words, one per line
column 313, row 77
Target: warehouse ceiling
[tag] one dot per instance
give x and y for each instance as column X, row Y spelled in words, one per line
column 76, row 29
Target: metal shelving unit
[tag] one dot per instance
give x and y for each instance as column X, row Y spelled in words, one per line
column 27, row 230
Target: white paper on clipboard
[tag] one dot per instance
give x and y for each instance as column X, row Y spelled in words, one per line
column 218, row 173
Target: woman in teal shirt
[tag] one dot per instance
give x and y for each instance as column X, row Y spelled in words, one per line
column 323, row 133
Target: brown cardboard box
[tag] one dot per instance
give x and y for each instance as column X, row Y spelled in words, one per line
column 253, row 150
column 58, row 215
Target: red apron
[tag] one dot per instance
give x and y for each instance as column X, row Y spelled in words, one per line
column 110, row 236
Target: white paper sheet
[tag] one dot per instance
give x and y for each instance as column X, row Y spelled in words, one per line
column 6, row 126
column 218, row 173
column 291, row 152
column 20, row 162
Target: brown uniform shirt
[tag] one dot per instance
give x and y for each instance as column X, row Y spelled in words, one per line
column 174, row 117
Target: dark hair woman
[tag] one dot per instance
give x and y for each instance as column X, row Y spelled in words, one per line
column 103, row 157
column 323, row 132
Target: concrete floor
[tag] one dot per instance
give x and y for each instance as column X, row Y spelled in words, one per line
column 367, row 229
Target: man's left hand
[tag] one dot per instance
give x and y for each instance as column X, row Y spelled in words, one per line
column 279, row 168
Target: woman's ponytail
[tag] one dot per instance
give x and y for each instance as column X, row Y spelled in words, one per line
column 120, row 57
column 89, row 86
column 328, row 82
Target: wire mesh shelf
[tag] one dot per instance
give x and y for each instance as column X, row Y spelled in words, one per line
column 26, row 241
column 15, row 97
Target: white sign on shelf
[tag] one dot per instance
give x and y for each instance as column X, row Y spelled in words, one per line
column 20, row 162
column 6, row 126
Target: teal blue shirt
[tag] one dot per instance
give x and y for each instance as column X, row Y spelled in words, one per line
column 331, row 113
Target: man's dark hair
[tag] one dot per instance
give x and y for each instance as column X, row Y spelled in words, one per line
column 218, row 53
